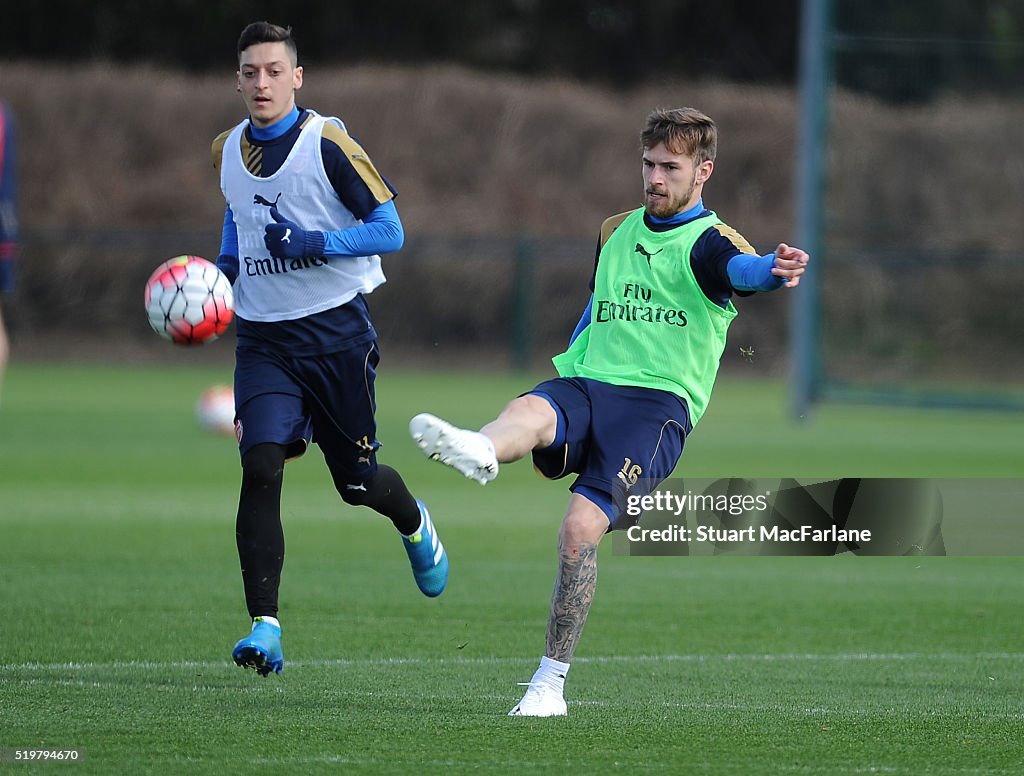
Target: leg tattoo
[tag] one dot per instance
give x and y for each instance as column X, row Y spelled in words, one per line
column 571, row 600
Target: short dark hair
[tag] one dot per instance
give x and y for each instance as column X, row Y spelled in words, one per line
column 265, row 32
column 683, row 131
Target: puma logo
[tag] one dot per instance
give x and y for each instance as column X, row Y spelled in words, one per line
column 259, row 200
column 287, row 236
column 645, row 253
column 360, row 486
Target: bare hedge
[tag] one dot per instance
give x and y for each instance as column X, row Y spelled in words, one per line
column 116, row 176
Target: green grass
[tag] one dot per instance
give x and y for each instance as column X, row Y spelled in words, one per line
column 121, row 599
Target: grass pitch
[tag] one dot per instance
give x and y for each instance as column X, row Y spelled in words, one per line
column 121, row 599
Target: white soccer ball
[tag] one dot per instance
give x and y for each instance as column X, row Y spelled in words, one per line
column 215, row 410
column 189, row 301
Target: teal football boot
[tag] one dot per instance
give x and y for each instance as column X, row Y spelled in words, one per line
column 427, row 556
column 261, row 649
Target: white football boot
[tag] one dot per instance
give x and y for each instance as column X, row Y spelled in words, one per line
column 540, row 700
column 468, row 452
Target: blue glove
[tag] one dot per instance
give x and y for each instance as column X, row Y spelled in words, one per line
column 285, row 240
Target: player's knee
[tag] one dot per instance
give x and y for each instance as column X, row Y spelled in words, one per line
column 374, row 492
column 263, row 465
column 534, row 416
column 354, row 493
column 527, row 406
column 584, row 523
column 360, row 493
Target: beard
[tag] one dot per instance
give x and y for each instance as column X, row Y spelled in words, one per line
column 668, row 206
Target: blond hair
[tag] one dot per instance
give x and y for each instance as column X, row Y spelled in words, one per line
column 683, row 131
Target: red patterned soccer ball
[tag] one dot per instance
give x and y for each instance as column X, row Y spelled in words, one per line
column 189, row 301
column 215, row 410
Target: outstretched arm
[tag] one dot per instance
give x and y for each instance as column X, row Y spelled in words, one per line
column 790, row 264
column 782, row 267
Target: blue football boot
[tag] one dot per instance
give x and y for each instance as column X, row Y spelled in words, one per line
column 427, row 556
column 261, row 649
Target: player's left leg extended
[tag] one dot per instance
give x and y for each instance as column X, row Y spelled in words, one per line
column 527, row 423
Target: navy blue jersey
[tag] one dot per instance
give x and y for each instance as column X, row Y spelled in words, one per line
column 8, row 192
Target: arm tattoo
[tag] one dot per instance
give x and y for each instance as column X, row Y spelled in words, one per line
column 570, row 602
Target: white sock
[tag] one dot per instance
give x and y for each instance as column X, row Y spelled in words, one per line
column 272, row 620
column 551, row 673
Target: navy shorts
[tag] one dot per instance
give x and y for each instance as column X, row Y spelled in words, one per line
column 617, row 439
column 328, row 399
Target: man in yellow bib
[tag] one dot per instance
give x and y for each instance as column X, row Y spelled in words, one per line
column 637, row 375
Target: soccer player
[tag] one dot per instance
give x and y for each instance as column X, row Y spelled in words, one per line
column 307, row 217
column 8, row 222
column 637, row 375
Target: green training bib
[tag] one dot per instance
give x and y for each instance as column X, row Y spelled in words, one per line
column 651, row 325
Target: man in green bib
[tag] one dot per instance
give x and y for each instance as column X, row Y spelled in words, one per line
column 637, row 375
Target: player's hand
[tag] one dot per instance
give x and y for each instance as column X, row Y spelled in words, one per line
column 790, row 263
column 286, row 240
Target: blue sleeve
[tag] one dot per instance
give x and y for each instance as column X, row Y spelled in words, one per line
column 753, row 273
column 227, row 262
column 584, row 320
column 380, row 232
